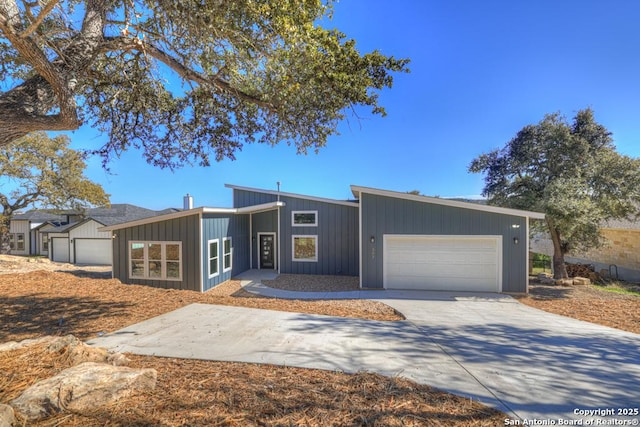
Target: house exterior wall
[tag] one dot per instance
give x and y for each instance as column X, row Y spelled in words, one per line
column 220, row 226
column 262, row 222
column 88, row 230
column 621, row 249
column 336, row 231
column 385, row 215
column 185, row 229
column 21, row 227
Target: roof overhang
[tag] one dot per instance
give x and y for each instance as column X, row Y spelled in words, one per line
column 196, row 211
column 294, row 195
column 358, row 190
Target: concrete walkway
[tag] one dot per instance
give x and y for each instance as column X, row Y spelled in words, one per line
column 528, row 363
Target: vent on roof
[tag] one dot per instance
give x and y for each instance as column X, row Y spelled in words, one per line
column 188, row 202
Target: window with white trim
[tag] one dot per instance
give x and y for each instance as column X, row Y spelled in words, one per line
column 304, row 248
column 16, row 241
column 45, row 242
column 213, row 257
column 155, row 260
column 227, row 256
column 304, row 218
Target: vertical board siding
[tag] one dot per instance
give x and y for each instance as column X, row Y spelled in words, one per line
column 337, row 232
column 385, row 215
column 217, row 226
column 262, row 222
column 184, row 229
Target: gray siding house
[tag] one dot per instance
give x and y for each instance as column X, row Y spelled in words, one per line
column 388, row 239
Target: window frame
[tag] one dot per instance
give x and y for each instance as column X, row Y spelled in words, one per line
column 163, row 260
column 293, row 247
column 12, row 241
column 20, row 244
column 293, row 219
column 45, row 242
column 226, row 268
column 210, row 258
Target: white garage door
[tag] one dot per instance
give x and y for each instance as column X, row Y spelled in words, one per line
column 443, row 263
column 60, row 246
column 93, row 251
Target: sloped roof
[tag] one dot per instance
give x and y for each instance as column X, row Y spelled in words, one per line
column 114, row 214
column 445, row 202
column 37, row 215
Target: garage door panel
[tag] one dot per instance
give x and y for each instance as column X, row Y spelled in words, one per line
column 93, row 251
column 459, row 263
column 60, row 248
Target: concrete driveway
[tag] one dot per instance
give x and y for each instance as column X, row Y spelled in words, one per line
column 528, row 363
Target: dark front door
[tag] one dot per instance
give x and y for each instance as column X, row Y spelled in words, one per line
column 267, row 251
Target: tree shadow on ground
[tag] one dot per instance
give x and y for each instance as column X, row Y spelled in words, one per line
column 555, row 370
column 35, row 315
column 549, row 292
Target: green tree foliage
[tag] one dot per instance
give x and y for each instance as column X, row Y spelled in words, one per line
column 40, row 171
column 184, row 80
column 569, row 171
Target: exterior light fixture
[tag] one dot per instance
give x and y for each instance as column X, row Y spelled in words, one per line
column 372, row 239
column 515, row 225
column 516, row 240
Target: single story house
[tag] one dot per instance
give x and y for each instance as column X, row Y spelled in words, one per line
column 619, row 256
column 72, row 236
column 388, row 239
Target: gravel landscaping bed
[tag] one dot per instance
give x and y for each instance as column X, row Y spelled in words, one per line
column 313, row 283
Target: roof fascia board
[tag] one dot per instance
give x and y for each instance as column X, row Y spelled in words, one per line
column 294, row 195
column 196, row 211
column 356, row 189
column 152, row 219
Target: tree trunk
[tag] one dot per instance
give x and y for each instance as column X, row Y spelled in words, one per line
column 559, row 267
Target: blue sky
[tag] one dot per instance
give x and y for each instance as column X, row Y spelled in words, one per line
column 480, row 71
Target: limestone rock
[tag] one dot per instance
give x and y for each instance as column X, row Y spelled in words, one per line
column 76, row 350
column 564, row 282
column 82, row 389
column 7, row 417
column 581, row 281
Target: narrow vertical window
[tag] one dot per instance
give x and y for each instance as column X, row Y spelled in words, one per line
column 227, row 257
column 137, row 259
column 214, row 258
column 20, row 241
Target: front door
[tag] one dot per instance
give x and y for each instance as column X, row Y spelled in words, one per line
column 267, row 251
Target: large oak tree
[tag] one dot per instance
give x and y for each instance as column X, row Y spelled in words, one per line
column 569, row 171
column 183, row 80
column 39, row 171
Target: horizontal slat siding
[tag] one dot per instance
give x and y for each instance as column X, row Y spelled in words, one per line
column 384, row 215
column 184, row 229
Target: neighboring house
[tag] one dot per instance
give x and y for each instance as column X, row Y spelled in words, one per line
column 388, row 239
column 24, row 238
column 72, row 237
column 620, row 254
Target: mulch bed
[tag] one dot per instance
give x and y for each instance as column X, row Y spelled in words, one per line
column 589, row 303
column 52, row 303
column 199, row 393
column 313, row 283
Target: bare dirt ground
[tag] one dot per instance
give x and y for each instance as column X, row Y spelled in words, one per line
column 200, row 393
